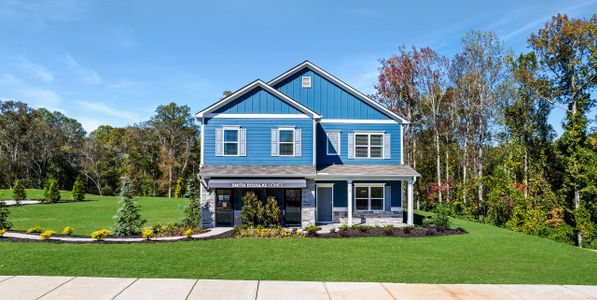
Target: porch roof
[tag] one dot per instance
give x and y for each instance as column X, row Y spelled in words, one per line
column 367, row 171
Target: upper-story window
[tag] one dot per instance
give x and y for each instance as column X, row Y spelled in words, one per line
column 333, row 143
column 286, row 144
column 369, row 145
column 231, row 139
column 306, row 82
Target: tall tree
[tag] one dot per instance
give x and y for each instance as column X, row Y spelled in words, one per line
column 568, row 50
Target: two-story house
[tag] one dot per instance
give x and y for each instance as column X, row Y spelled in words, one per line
column 327, row 152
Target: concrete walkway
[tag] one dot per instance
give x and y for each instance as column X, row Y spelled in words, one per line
column 45, row 287
column 22, row 202
column 28, row 236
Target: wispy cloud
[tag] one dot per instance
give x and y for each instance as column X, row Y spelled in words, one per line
column 87, row 75
column 17, row 89
column 90, row 124
column 106, row 110
column 39, row 13
column 37, row 70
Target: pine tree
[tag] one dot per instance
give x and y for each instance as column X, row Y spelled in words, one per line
column 78, row 190
column 273, row 214
column 252, row 213
column 178, row 188
column 4, row 213
column 51, row 191
column 192, row 212
column 128, row 219
column 18, row 192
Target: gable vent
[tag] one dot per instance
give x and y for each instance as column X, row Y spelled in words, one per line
column 306, row 81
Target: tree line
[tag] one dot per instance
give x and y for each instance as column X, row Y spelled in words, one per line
column 479, row 131
column 37, row 145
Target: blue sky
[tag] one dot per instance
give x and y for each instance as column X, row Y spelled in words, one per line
column 113, row 62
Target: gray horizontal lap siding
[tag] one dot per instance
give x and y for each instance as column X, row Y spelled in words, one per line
column 258, row 142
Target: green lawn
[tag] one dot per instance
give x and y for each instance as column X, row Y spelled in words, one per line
column 34, row 194
column 485, row 255
column 94, row 213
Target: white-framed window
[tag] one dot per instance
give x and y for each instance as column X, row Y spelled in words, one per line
column 231, row 141
column 369, row 197
column 306, row 82
column 333, row 143
column 286, row 141
column 369, row 145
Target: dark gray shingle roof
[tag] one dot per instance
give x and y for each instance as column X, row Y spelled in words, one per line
column 368, row 170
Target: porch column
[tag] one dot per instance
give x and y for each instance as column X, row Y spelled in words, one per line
column 349, row 203
column 409, row 192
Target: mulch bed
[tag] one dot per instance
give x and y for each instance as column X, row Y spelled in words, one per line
column 404, row 232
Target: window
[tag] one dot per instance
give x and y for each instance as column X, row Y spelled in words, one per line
column 286, row 142
column 306, row 81
column 231, row 142
column 333, row 147
column 369, row 197
column 369, row 145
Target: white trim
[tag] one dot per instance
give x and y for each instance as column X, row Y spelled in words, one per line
column 237, row 128
column 339, row 209
column 378, row 184
column 401, row 144
column 314, row 143
column 293, row 129
column 369, row 186
column 396, row 208
column 323, row 185
column 369, row 146
column 358, row 121
column 339, row 82
column 202, row 147
column 327, row 143
column 257, row 116
column 249, row 87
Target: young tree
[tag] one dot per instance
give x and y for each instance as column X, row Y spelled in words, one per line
column 252, row 212
column 192, row 212
column 51, row 191
column 128, row 218
column 273, row 214
column 568, row 50
column 4, row 213
column 178, row 188
column 18, row 192
column 78, row 191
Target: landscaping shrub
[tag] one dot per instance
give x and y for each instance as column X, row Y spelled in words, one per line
column 262, row 232
column 333, row 230
column 68, row 230
column 148, row 233
column 51, row 191
column 78, row 190
column 101, row 234
column 441, row 219
column 273, row 214
column 178, row 188
column 192, row 212
column 252, row 212
column 2, row 231
column 35, row 229
column 389, row 229
column 344, row 227
column 312, row 229
column 18, row 192
column 128, row 219
column 188, row 232
column 46, row 234
column 4, row 213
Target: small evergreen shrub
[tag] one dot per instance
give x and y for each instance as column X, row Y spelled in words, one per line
column 312, row 229
column 252, row 212
column 101, row 234
column 78, row 190
column 178, row 188
column 51, row 191
column 68, row 230
column 389, row 229
column 46, row 234
column 128, row 218
column 192, row 212
column 18, row 192
column 262, row 232
column 441, row 219
column 4, row 213
column 148, row 233
column 35, row 229
column 344, row 227
column 273, row 214
column 333, row 230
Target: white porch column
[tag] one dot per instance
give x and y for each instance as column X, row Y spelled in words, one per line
column 349, row 203
column 411, row 215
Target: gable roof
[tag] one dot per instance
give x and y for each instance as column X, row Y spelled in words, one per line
column 250, row 87
column 342, row 84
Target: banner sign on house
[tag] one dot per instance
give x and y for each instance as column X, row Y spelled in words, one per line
column 257, row 183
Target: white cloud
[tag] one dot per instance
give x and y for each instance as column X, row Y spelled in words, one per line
column 38, row 14
column 17, row 89
column 38, row 70
column 90, row 124
column 87, row 75
column 108, row 111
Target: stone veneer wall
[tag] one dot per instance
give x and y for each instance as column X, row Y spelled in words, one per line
column 371, row 218
column 308, row 204
column 208, row 207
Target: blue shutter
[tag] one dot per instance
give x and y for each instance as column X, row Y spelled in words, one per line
column 274, row 142
column 219, row 142
column 387, row 198
column 351, row 145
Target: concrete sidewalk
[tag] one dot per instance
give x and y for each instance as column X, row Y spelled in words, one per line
column 46, row 287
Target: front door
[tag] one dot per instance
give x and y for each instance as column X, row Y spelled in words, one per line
column 324, row 204
column 224, row 211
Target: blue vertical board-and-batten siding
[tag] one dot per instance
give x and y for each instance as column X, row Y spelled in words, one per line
column 323, row 159
column 258, row 101
column 326, row 98
column 258, row 142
